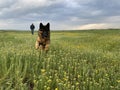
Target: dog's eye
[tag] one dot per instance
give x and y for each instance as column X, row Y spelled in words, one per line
column 41, row 30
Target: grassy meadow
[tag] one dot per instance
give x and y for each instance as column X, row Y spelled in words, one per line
column 77, row 60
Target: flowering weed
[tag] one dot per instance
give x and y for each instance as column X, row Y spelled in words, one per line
column 77, row 60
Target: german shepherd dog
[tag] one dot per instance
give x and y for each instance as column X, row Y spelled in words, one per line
column 43, row 39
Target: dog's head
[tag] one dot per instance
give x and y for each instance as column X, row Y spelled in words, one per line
column 44, row 30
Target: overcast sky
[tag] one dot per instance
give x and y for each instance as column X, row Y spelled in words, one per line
column 61, row 14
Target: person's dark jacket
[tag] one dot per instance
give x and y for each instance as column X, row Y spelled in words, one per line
column 32, row 27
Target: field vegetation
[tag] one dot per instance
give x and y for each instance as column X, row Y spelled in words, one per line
column 77, row 60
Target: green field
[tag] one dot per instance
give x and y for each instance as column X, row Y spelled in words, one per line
column 77, row 60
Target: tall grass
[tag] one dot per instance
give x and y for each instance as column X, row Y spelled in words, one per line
column 77, row 60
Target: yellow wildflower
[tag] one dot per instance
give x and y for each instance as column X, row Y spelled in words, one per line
column 43, row 70
column 118, row 81
column 56, row 88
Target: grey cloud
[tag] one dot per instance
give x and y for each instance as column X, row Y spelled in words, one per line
column 6, row 3
column 60, row 12
column 108, row 7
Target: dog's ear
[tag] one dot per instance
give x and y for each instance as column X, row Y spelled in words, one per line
column 48, row 26
column 41, row 26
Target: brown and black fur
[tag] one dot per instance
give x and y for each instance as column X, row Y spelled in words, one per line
column 43, row 39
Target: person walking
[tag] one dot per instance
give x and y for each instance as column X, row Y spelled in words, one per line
column 32, row 27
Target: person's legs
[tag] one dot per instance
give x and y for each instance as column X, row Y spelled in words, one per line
column 32, row 31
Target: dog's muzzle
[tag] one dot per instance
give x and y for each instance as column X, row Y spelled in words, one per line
column 45, row 34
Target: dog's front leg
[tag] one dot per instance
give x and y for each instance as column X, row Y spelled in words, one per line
column 37, row 45
column 47, row 47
